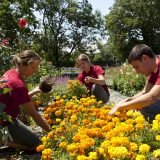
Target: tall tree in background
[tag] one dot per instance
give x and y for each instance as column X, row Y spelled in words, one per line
column 132, row 22
column 67, row 25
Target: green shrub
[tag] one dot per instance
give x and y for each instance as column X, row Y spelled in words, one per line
column 126, row 80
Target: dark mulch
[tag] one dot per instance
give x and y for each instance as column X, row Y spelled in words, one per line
column 8, row 153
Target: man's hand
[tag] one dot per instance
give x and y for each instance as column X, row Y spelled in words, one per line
column 113, row 110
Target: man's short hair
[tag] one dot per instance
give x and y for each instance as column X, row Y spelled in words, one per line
column 138, row 51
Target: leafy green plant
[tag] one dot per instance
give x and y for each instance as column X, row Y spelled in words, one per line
column 126, row 80
column 75, row 88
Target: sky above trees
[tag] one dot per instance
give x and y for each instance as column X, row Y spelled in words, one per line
column 102, row 5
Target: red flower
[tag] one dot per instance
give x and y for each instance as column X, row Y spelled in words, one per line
column 5, row 42
column 22, row 23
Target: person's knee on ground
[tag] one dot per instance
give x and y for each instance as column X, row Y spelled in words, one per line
column 23, row 135
column 99, row 92
column 21, row 147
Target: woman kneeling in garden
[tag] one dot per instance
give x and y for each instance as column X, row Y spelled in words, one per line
column 93, row 78
column 27, row 63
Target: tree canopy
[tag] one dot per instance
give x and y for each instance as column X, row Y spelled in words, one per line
column 131, row 22
column 67, row 25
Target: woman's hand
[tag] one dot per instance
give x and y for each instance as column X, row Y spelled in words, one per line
column 87, row 79
column 35, row 91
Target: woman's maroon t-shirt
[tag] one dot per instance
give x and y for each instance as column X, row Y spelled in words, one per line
column 94, row 72
column 18, row 94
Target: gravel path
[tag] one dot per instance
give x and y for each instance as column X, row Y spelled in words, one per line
column 11, row 154
column 115, row 96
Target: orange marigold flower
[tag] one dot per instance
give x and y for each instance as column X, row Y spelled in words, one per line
column 40, row 148
column 63, row 145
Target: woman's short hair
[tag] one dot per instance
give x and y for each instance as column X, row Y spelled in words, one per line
column 25, row 57
column 138, row 51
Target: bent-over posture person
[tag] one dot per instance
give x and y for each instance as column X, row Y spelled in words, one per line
column 26, row 64
column 93, row 78
column 145, row 62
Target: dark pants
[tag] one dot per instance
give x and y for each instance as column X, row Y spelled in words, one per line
column 151, row 111
column 23, row 135
column 99, row 92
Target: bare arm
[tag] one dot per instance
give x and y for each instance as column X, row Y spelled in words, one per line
column 140, row 101
column 146, row 89
column 34, row 91
column 100, row 80
column 36, row 116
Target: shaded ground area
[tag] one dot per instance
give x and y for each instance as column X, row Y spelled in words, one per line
column 8, row 153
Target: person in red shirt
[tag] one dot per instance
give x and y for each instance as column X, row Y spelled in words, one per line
column 145, row 62
column 26, row 64
column 93, row 78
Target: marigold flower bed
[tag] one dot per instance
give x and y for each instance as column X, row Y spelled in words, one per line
column 82, row 130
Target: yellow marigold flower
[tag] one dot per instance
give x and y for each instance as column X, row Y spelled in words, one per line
column 133, row 146
column 118, row 152
column 136, row 114
column 58, row 113
column 57, row 98
column 63, row 145
column 115, row 119
column 47, row 152
column 92, row 96
column 158, row 137
column 72, row 148
column 73, row 118
column 140, row 157
column 105, row 144
column 99, row 102
column 44, row 139
column 74, row 97
column 139, row 126
column 58, row 120
column 77, row 137
column 82, row 158
column 140, row 119
column 118, row 141
column 144, row 148
column 88, row 142
column 129, row 113
column 129, row 121
column 101, row 151
column 64, row 96
column 156, row 153
column 50, row 134
column 156, row 125
column 157, row 117
column 49, row 110
column 93, row 155
column 117, row 113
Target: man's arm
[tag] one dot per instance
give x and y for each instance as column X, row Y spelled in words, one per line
column 143, row 100
column 146, row 89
